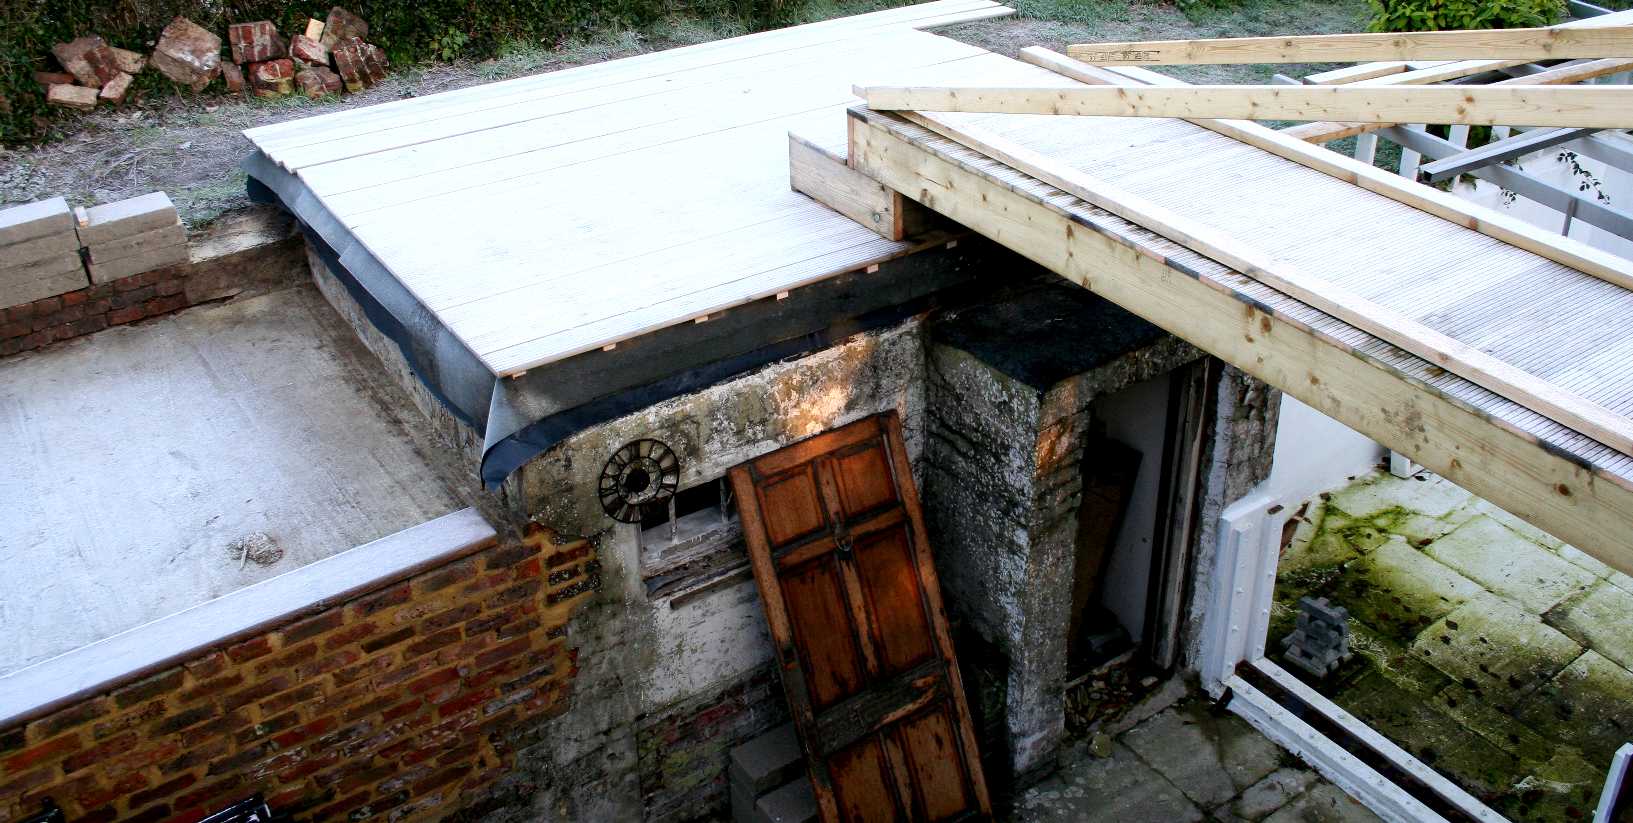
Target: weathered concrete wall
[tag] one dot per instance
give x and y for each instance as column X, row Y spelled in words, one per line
column 1003, row 482
column 1238, row 453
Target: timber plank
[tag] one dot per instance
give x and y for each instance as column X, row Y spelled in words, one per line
column 824, row 176
column 1593, row 106
column 1545, row 43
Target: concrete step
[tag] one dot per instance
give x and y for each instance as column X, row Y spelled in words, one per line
column 793, row 803
column 762, row 766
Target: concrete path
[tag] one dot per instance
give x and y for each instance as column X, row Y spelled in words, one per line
column 1186, row 763
column 153, row 467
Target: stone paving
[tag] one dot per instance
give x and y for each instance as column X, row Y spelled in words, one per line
column 1487, row 648
column 1185, row 763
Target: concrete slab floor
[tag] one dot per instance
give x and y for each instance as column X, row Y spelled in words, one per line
column 1188, row 762
column 153, row 467
column 1493, row 652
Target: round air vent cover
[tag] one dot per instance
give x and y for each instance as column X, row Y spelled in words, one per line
column 638, row 478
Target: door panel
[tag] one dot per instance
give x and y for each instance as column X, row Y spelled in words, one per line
column 837, row 544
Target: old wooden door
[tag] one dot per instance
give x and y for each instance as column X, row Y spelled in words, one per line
column 836, row 539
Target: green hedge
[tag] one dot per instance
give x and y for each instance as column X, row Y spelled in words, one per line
column 409, row 30
column 1437, row 15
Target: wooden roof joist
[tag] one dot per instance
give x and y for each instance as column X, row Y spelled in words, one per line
column 1408, row 403
column 1547, row 43
column 1530, row 105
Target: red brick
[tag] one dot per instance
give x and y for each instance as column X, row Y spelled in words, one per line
column 400, row 710
column 452, row 617
column 48, row 305
column 503, row 557
column 313, row 729
column 250, row 649
column 209, row 688
column 255, row 42
column 74, row 298
column 313, row 626
column 174, row 285
column 164, row 305
column 430, row 644
column 205, row 794
column 195, row 755
column 129, row 314
column 311, row 764
column 88, row 325
column 466, row 701
column 337, row 810
column 17, row 786
column 16, row 329
column 503, row 652
column 182, row 720
column 457, row 572
column 385, row 640
column 147, row 688
column 135, row 781
column 42, row 753
column 23, row 312
column 102, row 751
column 350, row 634
column 287, row 659
column 233, row 763
column 562, row 558
column 442, row 778
column 61, row 721
column 368, row 668
column 433, row 680
column 271, row 725
column 385, row 599
column 324, row 665
column 162, row 791
column 256, row 691
column 304, row 694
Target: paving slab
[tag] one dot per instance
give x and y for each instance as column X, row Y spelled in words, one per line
column 1210, row 757
column 1399, row 589
column 1490, row 644
column 1431, row 497
column 1119, row 788
column 138, row 457
column 1326, row 803
column 1589, row 704
column 1509, row 565
column 1602, row 620
column 1272, row 793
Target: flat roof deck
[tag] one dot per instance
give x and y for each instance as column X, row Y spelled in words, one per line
column 552, row 215
column 141, row 461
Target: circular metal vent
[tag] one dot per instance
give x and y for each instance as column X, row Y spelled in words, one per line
column 638, row 478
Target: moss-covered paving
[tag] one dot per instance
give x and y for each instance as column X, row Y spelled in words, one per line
column 1487, row 648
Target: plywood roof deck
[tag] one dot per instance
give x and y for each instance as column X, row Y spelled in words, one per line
column 547, row 216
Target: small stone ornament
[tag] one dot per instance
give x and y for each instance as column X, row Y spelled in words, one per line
column 1320, row 643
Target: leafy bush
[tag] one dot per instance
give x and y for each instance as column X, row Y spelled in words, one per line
column 409, row 30
column 1436, row 15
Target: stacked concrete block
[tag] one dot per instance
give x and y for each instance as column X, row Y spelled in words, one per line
column 768, row 780
column 39, row 252
column 187, row 53
column 1321, row 641
column 133, row 236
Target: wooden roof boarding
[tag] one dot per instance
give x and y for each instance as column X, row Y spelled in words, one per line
column 556, row 214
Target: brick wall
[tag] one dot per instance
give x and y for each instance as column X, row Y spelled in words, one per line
column 404, row 703
column 240, row 255
column 683, row 752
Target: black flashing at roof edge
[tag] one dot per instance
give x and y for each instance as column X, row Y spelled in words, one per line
column 522, row 417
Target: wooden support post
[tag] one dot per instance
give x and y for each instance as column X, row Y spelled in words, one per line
column 1548, row 43
column 1592, row 106
column 1590, row 508
column 824, row 176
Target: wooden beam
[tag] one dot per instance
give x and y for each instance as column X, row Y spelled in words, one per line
column 1323, row 132
column 823, row 175
column 1592, row 106
column 1590, row 508
column 1498, row 152
column 1548, row 43
column 1515, row 232
column 1352, row 74
column 1463, row 360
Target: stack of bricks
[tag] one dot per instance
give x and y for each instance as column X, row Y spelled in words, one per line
column 407, row 701
column 39, row 252
column 132, row 236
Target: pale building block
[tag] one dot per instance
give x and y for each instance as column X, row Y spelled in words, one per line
column 108, row 252
column 27, row 222
column 42, row 268
column 15, row 255
column 18, row 292
column 136, row 264
column 111, row 221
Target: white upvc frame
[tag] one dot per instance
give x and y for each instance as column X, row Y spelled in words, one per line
column 1235, row 628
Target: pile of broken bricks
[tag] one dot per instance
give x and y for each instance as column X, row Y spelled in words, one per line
column 328, row 56
column 47, row 249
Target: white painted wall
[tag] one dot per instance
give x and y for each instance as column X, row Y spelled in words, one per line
column 1136, row 418
column 1315, row 453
